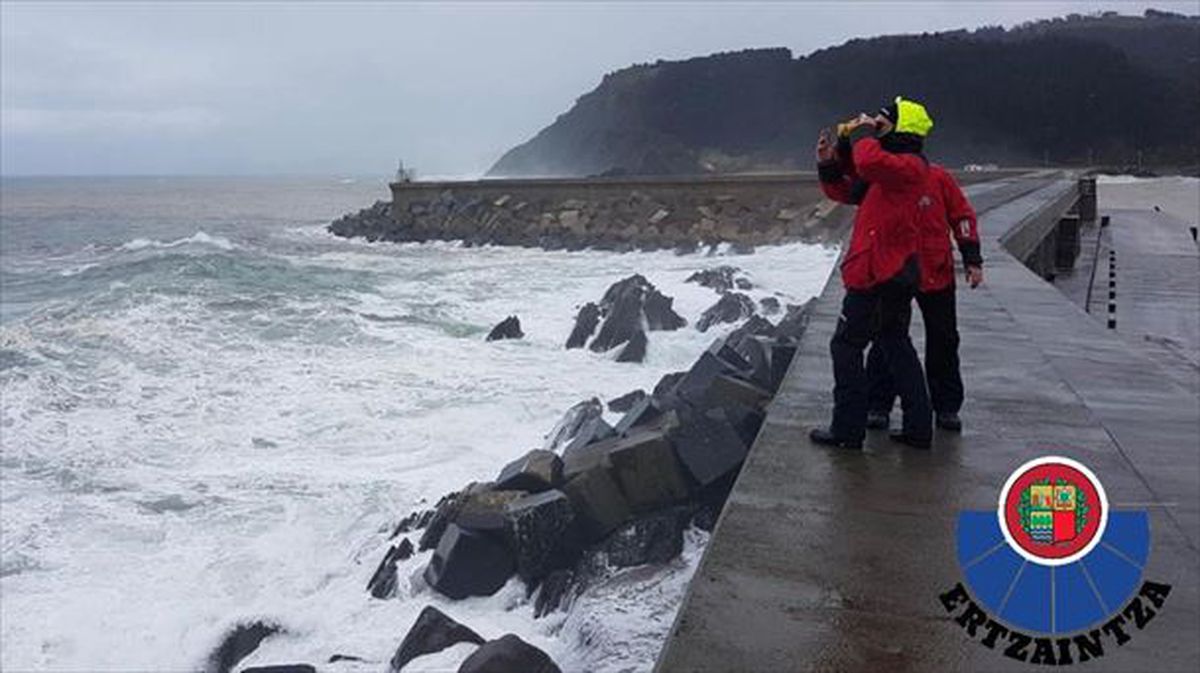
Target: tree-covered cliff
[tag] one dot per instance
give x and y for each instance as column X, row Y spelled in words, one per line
column 1099, row 89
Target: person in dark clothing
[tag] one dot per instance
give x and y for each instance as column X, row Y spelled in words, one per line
column 948, row 214
column 885, row 177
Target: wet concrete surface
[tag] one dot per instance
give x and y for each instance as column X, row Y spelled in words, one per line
column 829, row 560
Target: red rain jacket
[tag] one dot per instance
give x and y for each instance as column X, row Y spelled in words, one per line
column 887, row 224
column 945, row 213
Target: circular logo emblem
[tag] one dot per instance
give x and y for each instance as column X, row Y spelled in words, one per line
column 1053, row 510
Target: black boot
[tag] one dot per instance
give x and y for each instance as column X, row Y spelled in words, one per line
column 826, row 438
column 909, row 440
column 877, row 420
column 949, row 421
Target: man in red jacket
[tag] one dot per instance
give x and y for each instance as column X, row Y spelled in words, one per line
column 948, row 214
column 880, row 269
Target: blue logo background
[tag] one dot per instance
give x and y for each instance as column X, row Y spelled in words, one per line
column 1053, row 599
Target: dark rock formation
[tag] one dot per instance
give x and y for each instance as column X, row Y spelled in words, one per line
column 743, row 284
column 597, row 501
column 718, row 278
column 508, row 654
column 509, row 328
column 383, row 583
column 629, row 308
column 469, row 563
column 238, row 644
column 543, row 534
column 537, row 471
column 756, row 326
column 372, row 223
column 708, row 447
column 486, row 512
column 595, row 430
column 433, row 632
column 635, row 348
column 585, row 325
column 656, row 538
column 572, row 421
column 646, row 411
column 646, row 469
column 769, row 305
column 731, row 307
column 344, row 657
column 625, row 402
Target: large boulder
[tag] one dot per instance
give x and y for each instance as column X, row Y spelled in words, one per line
column 509, row 328
column 485, row 512
column 543, row 535
column 238, row 644
column 570, row 424
column 469, row 563
column 642, row 413
column 770, row 305
column 695, row 387
column 383, row 582
column 647, row 470
column 597, row 500
column 433, row 631
column 708, row 446
column 585, row 325
column 537, row 471
column 731, row 307
column 667, row 384
column 595, row 430
column 508, row 654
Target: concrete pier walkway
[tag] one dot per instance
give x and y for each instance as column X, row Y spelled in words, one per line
column 833, row 561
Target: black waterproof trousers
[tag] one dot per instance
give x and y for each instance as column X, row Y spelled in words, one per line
column 879, row 316
column 941, row 358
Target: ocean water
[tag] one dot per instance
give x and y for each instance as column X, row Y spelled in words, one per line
column 212, row 411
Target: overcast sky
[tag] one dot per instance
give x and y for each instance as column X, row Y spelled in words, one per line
column 348, row 87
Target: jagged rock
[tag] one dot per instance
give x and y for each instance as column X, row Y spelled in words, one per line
column 757, row 352
column 597, row 501
column 646, row 469
column 660, row 312
column 281, row 668
column 443, row 513
column 553, row 592
column 731, row 307
column 537, row 471
column 622, row 310
column 406, row 524
column 433, row 631
column 795, row 321
column 469, row 563
column 542, row 533
column 238, row 644
column 508, row 654
column 509, row 328
column 708, row 446
column 743, row 284
column 383, row 583
column 625, row 402
column 635, row 348
column 344, row 657
column 718, row 278
column 572, row 421
column 656, row 538
column 585, row 325
column 769, row 305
